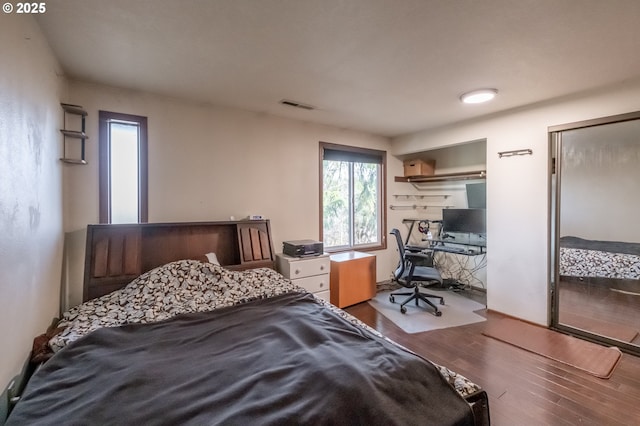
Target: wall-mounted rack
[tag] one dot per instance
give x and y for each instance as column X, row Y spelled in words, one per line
column 77, row 134
column 515, row 152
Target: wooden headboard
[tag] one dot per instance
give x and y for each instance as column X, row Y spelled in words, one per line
column 116, row 254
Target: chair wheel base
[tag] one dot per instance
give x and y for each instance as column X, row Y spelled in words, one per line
column 392, row 299
column 442, row 301
column 437, row 313
column 403, row 309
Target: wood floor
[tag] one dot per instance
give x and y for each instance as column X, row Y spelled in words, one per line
column 523, row 388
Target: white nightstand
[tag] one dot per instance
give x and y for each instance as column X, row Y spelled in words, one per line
column 311, row 273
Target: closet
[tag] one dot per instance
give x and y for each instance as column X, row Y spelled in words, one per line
column 595, row 239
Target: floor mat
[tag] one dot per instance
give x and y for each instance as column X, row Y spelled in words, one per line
column 457, row 310
column 594, row 359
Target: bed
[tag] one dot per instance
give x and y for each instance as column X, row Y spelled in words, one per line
column 199, row 340
column 581, row 257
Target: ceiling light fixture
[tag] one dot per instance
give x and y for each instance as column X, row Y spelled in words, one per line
column 478, row 96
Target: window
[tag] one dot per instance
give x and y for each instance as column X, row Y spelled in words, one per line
column 352, row 198
column 123, row 168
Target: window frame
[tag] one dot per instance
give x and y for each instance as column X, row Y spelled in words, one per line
column 105, row 117
column 382, row 244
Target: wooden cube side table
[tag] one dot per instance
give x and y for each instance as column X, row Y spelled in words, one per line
column 353, row 278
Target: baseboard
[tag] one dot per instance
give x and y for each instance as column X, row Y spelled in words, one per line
column 516, row 318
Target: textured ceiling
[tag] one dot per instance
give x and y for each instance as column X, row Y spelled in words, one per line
column 387, row 67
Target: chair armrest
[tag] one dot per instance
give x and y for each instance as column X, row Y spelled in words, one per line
column 417, row 256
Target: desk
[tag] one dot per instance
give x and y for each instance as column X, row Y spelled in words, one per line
column 464, row 246
column 353, row 278
column 463, row 269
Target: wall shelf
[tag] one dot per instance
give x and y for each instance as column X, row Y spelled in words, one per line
column 420, row 196
column 74, row 109
column 477, row 174
column 73, row 161
column 418, row 207
column 76, row 134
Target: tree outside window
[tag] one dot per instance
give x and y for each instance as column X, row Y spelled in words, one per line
column 353, row 197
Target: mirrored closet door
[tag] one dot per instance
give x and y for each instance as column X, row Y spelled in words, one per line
column 596, row 230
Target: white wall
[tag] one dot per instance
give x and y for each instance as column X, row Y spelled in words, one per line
column 517, row 190
column 210, row 163
column 30, row 189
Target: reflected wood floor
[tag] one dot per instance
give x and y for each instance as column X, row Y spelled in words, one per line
column 609, row 307
column 523, row 388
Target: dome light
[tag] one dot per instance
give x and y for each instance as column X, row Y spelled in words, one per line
column 478, row 96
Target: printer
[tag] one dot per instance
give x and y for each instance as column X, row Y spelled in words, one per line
column 302, row 248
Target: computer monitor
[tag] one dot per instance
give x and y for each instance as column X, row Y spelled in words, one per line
column 477, row 195
column 469, row 221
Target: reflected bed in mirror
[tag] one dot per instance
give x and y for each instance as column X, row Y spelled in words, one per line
column 580, row 257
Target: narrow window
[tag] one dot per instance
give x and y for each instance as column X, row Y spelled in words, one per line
column 353, row 198
column 123, row 168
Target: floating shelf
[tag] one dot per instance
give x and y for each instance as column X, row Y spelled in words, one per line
column 74, row 134
column 417, row 207
column 421, row 196
column 74, row 109
column 413, row 207
column 73, row 161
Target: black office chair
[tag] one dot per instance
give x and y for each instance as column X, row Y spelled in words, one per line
column 411, row 275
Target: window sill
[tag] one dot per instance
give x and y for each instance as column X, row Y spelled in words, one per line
column 377, row 247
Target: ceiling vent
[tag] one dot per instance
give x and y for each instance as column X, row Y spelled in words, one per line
column 295, row 104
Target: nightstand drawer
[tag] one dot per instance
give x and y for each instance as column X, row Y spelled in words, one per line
column 315, row 283
column 304, row 267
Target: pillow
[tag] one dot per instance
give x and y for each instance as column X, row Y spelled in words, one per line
column 212, row 258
